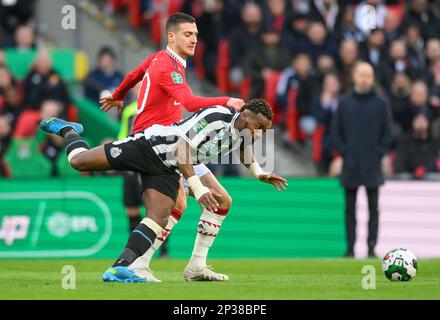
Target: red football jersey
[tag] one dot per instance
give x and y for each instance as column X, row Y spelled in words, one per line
column 164, row 91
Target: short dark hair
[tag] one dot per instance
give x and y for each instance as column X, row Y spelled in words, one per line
column 259, row 106
column 106, row 50
column 177, row 18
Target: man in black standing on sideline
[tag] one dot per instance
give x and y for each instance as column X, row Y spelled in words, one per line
column 362, row 136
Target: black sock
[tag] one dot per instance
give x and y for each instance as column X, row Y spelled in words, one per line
column 73, row 140
column 134, row 221
column 65, row 131
column 139, row 242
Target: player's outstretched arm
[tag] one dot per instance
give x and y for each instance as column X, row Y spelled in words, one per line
column 249, row 161
column 116, row 100
column 109, row 103
column 203, row 195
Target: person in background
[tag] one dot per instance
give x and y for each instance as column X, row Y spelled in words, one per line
column 421, row 14
column 295, row 33
column 5, row 140
column 418, row 153
column 418, row 102
column 24, row 38
column 319, row 42
column 105, row 77
column 348, row 55
column 361, row 135
column 328, row 12
column 268, row 56
column 398, row 95
column 299, row 76
column 244, row 36
column 432, row 52
column 324, row 108
column 373, row 50
column 348, row 29
column 44, row 83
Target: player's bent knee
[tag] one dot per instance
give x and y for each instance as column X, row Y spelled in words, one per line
column 225, row 201
column 181, row 204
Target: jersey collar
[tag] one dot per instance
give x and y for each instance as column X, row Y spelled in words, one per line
column 233, row 130
column 176, row 57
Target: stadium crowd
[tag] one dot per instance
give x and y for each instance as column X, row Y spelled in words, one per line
column 297, row 54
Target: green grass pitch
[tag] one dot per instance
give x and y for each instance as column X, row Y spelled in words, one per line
column 250, row 279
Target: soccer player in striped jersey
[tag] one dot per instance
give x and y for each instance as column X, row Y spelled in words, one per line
column 163, row 95
column 160, row 154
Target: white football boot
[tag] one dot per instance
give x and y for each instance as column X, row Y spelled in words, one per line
column 145, row 273
column 204, row 274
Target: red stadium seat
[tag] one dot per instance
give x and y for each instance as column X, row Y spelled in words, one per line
column 292, row 116
column 27, row 124
column 270, row 94
column 72, row 113
column 198, row 59
column 317, row 143
column 223, row 65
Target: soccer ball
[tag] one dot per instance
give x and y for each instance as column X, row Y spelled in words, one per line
column 399, row 265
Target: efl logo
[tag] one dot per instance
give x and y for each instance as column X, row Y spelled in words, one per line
column 13, row 228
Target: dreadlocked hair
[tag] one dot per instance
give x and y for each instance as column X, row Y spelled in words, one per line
column 259, row 106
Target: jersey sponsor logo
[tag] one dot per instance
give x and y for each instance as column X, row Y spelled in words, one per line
column 176, row 103
column 177, row 77
column 200, row 125
column 115, row 152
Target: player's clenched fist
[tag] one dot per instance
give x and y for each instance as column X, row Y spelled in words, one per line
column 235, row 103
column 109, row 102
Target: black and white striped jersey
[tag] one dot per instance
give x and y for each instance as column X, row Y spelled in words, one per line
column 210, row 132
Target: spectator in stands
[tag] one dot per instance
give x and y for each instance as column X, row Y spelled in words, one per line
column 246, row 35
column 348, row 55
column 324, row 107
column 211, row 30
column 416, row 49
column 419, row 13
column 434, row 98
column 418, row 153
column 24, row 38
column 328, row 12
column 324, row 65
column 44, row 83
column 295, row 33
column 299, row 77
column 268, row 56
column 348, row 29
column 361, row 132
column 5, row 140
column 391, row 27
column 12, row 106
column 274, row 14
column 380, row 12
column 432, row 52
column 319, row 42
column 397, row 62
column 398, row 94
column 27, row 122
column 6, row 79
column 373, row 50
column 418, row 102
column 12, row 15
column 105, row 78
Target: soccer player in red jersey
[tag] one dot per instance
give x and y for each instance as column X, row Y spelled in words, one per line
column 163, row 95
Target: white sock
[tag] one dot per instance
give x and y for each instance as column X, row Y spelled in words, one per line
column 209, row 227
column 144, row 260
